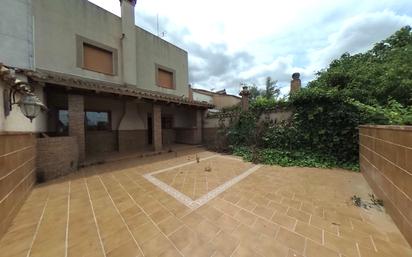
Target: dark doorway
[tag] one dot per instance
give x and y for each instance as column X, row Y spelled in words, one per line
column 149, row 129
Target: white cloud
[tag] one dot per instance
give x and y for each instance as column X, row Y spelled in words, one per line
column 232, row 41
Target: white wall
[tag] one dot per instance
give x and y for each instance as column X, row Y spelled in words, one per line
column 16, row 33
column 16, row 121
column 135, row 116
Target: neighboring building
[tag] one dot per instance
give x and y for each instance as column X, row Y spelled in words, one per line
column 108, row 83
column 220, row 99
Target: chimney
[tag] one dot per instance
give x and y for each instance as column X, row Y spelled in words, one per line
column 245, row 93
column 295, row 83
column 128, row 39
column 190, row 93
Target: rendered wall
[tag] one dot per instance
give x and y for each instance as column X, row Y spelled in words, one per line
column 386, row 163
column 16, row 121
column 17, row 174
column 16, row 36
column 152, row 50
column 58, row 22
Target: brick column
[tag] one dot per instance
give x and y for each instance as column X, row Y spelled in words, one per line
column 245, row 93
column 76, row 122
column 157, row 127
column 198, row 133
column 295, row 83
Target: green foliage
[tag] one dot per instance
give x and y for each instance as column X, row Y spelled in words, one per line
column 375, row 77
column 271, row 90
column 370, row 88
column 295, row 158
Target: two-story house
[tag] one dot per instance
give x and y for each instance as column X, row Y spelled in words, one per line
column 112, row 85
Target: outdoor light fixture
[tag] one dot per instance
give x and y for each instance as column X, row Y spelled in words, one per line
column 30, row 105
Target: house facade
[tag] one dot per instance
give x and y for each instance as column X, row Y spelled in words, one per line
column 108, row 85
column 220, row 99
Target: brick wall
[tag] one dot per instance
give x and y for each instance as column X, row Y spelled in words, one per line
column 187, row 136
column 56, row 156
column 101, row 141
column 76, row 122
column 132, row 140
column 17, row 174
column 386, row 163
column 157, row 127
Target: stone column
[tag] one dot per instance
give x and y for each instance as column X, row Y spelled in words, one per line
column 157, row 127
column 245, row 98
column 295, row 83
column 76, row 122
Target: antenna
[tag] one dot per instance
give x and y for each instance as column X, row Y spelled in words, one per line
column 157, row 24
column 159, row 34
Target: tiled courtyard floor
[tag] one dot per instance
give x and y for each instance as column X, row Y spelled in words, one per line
column 112, row 210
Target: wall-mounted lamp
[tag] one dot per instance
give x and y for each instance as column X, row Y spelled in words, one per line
column 30, row 105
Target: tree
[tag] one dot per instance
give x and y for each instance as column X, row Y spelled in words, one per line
column 271, row 91
column 375, row 77
column 254, row 92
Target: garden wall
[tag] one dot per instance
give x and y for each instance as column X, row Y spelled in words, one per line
column 17, row 173
column 386, row 163
column 212, row 122
column 56, row 156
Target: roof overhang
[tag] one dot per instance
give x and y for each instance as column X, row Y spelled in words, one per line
column 76, row 82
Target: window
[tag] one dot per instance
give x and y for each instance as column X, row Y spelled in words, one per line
column 63, row 122
column 95, row 56
column 165, row 77
column 97, row 59
column 167, row 122
column 97, row 121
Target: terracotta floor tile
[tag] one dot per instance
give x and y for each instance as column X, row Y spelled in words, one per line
column 245, row 217
column 284, row 220
column 128, row 249
column 265, row 227
column 170, row 225
column 246, row 204
column 316, row 250
column 309, row 231
column 275, row 211
column 225, row 243
column 227, row 223
column 156, row 246
column 291, row 240
column 299, row 215
column 263, row 212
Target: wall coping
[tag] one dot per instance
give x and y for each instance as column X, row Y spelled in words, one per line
column 16, row 133
column 390, row 127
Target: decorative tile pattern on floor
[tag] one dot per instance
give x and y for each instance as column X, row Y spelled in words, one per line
column 197, row 182
column 111, row 210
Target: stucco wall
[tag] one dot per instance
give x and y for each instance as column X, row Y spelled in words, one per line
column 16, row 36
column 386, row 162
column 16, row 121
column 58, row 22
column 152, row 50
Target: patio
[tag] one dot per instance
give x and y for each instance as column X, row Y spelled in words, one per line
column 175, row 205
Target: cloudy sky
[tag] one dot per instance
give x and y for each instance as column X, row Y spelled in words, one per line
column 234, row 41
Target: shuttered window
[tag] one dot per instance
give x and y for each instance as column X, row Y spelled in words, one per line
column 97, row 59
column 165, row 78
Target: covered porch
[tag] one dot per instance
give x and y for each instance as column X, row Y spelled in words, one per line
column 99, row 122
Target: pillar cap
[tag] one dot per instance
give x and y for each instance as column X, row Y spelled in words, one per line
column 132, row 2
column 245, row 91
